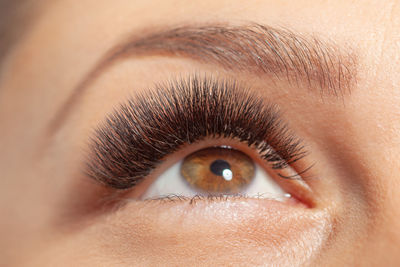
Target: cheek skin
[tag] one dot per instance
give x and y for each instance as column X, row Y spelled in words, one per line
column 206, row 232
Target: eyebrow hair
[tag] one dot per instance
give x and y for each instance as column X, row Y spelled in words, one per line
column 254, row 48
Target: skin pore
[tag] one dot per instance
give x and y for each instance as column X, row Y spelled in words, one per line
column 50, row 209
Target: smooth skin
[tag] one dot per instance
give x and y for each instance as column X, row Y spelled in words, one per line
column 47, row 213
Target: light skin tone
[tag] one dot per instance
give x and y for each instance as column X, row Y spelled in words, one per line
column 50, row 215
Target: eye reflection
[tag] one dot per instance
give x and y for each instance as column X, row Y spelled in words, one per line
column 218, row 170
column 222, row 168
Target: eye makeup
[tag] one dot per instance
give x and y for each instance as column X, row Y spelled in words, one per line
column 140, row 134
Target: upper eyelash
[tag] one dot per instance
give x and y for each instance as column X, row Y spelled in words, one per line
column 138, row 135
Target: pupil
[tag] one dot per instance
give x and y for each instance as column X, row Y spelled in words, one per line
column 218, row 167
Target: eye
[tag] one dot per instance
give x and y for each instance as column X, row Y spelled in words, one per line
column 129, row 149
column 216, row 171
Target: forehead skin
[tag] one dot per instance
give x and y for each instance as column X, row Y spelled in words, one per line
column 69, row 38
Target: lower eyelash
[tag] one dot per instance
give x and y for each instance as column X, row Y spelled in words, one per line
column 172, row 198
column 138, row 135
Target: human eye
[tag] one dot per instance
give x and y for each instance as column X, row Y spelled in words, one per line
column 216, row 171
column 199, row 137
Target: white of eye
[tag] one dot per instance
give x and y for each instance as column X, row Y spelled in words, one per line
column 171, row 183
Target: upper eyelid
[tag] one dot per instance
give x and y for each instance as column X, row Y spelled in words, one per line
column 253, row 47
column 139, row 134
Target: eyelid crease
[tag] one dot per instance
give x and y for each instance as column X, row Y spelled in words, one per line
column 304, row 59
column 140, row 134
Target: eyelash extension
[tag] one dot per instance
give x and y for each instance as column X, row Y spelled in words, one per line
column 141, row 133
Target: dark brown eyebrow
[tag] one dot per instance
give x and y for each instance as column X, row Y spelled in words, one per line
column 254, row 48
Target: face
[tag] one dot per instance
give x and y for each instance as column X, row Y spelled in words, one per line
column 202, row 133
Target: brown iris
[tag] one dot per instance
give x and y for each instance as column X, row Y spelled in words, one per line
column 218, row 170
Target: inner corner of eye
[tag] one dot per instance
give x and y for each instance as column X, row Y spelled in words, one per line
column 216, row 171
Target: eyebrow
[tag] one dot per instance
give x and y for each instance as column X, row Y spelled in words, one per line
column 254, row 48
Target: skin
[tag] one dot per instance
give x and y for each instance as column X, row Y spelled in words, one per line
column 47, row 204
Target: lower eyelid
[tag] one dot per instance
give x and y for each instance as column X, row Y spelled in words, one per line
column 277, row 225
column 177, row 204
